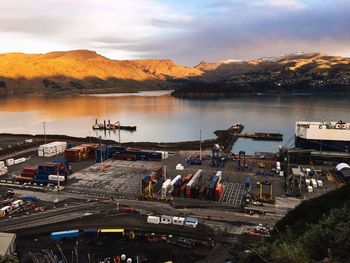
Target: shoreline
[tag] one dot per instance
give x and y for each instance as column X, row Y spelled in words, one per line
column 225, row 138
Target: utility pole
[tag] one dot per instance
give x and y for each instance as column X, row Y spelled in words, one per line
column 44, row 131
column 101, row 147
column 200, row 144
column 119, row 132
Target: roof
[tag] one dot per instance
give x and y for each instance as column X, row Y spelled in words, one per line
column 5, row 242
column 341, row 166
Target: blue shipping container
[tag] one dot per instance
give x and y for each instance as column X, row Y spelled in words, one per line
column 70, row 234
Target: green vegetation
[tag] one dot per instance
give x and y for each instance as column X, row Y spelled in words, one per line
column 9, row 259
column 317, row 230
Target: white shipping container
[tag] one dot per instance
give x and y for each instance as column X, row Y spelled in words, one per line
column 310, row 189
column 3, row 171
column 6, row 209
column 2, row 164
column 166, row 219
column 10, row 162
column 20, row 160
column 165, row 187
column 319, row 183
column 281, row 173
column 178, row 220
column 51, row 149
column 314, row 183
column 173, row 182
column 165, row 155
column 153, row 220
column 17, row 204
column 307, row 182
column 56, row 178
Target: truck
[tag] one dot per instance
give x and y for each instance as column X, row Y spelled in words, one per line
column 178, row 221
column 153, row 220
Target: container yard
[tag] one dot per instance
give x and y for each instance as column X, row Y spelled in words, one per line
column 160, row 193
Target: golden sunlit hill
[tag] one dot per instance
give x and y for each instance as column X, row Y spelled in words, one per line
column 84, row 71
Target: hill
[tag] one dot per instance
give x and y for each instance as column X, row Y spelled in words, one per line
column 312, row 73
column 84, row 71
column 316, row 230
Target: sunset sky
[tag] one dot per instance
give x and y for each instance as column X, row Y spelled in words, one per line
column 185, row 31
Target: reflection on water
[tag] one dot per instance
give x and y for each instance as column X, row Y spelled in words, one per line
column 164, row 118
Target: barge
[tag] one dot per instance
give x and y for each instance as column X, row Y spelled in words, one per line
column 323, row 136
column 112, row 126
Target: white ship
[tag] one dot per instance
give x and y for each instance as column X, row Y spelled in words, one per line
column 323, row 136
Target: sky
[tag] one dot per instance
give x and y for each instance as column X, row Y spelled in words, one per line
column 186, row 31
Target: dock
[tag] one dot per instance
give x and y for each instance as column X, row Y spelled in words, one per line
column 262, row 136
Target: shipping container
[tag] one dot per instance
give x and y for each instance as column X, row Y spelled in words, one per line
column 165, row 188
column 20, row 160
column 70, row 234
column 17, row 203
column 187, row 178
column 193, row 180
column 51, row 149
column 182, row 191
column 23, row 180
column 10, row 162
column 202, row 191
column 173, row 183
column 166, row 219
column 191, row 221
column 153, row 219
column 178, row 220
column 219, row 191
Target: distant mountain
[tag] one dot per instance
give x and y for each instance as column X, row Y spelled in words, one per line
column 84, row 71
column 299, row 73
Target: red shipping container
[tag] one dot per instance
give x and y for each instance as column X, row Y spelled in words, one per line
column 187, row 178
column 30, row 170
column 219, row 190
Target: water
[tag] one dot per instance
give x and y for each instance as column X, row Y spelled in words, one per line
column 160, row 117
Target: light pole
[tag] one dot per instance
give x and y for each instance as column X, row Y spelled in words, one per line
column 200, row 144
column 44, row 131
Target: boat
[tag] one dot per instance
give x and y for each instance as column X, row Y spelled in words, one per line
column 323, row 136
column 112, row 126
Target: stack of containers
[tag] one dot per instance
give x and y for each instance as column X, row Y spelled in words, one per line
column 27, row 175
column 3, row 168
column 76, row 154
column 173, row 183
column 51, row 149
column 193, row 180
column 195, row 190
column 219, row 191
column 165, row 188
column 216, row 179
column 202, row 191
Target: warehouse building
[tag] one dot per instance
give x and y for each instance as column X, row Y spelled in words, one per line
column 7, row 243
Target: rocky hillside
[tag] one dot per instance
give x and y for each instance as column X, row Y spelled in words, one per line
column 84, row 71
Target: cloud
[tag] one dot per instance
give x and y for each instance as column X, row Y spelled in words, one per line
column 197, row 30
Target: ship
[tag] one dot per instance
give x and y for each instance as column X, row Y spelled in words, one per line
column 323, row 136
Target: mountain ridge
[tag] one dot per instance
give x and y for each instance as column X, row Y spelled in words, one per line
column 85, row 71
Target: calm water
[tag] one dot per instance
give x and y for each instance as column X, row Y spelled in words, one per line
column 161, row 117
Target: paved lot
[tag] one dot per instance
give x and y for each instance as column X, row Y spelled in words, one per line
column 112, row 177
